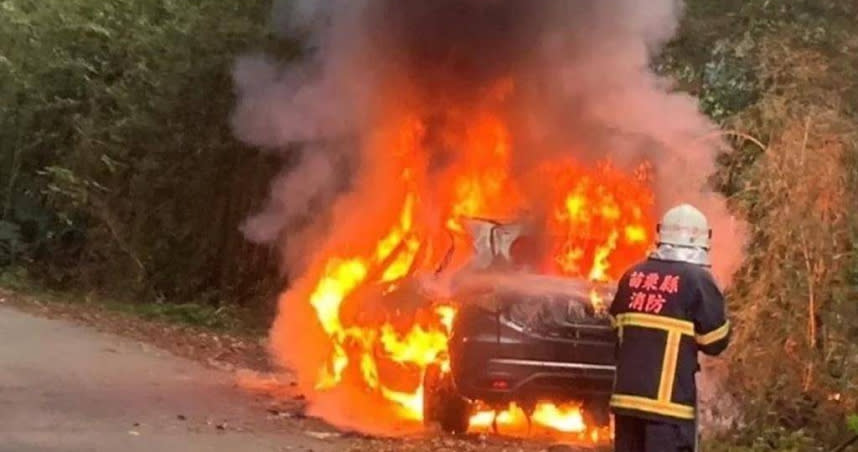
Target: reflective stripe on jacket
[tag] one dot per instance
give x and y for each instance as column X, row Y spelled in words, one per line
column 664, row 313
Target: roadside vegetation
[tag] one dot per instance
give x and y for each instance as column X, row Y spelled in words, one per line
column 118, row 168
column 120, row 179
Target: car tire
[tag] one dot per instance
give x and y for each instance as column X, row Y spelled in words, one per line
column 455, row 413
column 442, row 403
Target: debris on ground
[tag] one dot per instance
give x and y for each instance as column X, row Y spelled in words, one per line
column 322, row 435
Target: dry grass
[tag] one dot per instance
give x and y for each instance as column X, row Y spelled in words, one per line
column 793, row 359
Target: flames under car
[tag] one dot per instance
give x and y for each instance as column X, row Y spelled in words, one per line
column 540, row 340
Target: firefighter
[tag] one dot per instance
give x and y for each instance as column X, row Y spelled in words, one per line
column 666, row 309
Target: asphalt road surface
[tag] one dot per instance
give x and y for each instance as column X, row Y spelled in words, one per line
column 64, row 387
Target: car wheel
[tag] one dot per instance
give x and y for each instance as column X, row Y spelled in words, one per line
column 442, row 404
column 455, row 413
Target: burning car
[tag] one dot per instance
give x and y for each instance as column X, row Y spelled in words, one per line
column 414, row 304
column 519, row 339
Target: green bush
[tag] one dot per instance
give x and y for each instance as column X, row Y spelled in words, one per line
column 118, row 168
column 766, row 440
column 779, row 72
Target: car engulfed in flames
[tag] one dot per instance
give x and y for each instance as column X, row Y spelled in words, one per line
column 377, row 312
column 525, row 350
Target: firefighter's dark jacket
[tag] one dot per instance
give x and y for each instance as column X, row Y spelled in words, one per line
column 664, row 312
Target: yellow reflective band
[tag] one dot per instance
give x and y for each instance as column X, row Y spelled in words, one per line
column 613, row 321
column 674, row 328
column 644, row 404
column 714, row 335
column 657, row 322
column 668, row 366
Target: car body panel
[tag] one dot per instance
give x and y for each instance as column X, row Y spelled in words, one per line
column 519, row 336
column 496, row 360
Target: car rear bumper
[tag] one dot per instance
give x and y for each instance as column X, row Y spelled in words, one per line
column 507, row 380
column 503, row 380
column 495, row 360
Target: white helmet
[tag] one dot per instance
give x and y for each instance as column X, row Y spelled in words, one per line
column 684, row 226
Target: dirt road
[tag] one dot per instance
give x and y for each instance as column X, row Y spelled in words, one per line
column 67, row 387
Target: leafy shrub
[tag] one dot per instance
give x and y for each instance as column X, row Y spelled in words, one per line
column 117, row 165
column 780, row 73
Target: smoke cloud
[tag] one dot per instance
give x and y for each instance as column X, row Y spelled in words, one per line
column 582, row 87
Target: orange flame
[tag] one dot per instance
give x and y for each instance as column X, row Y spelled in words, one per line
column 601, row 221
column 596, row 221
column 565, row 420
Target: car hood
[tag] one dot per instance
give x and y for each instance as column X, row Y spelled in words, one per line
column 536, row 301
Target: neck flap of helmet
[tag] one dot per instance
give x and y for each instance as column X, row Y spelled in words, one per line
column 675, row 253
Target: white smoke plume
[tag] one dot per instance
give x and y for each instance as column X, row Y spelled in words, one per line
column 582, row 71
column 583, row 81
